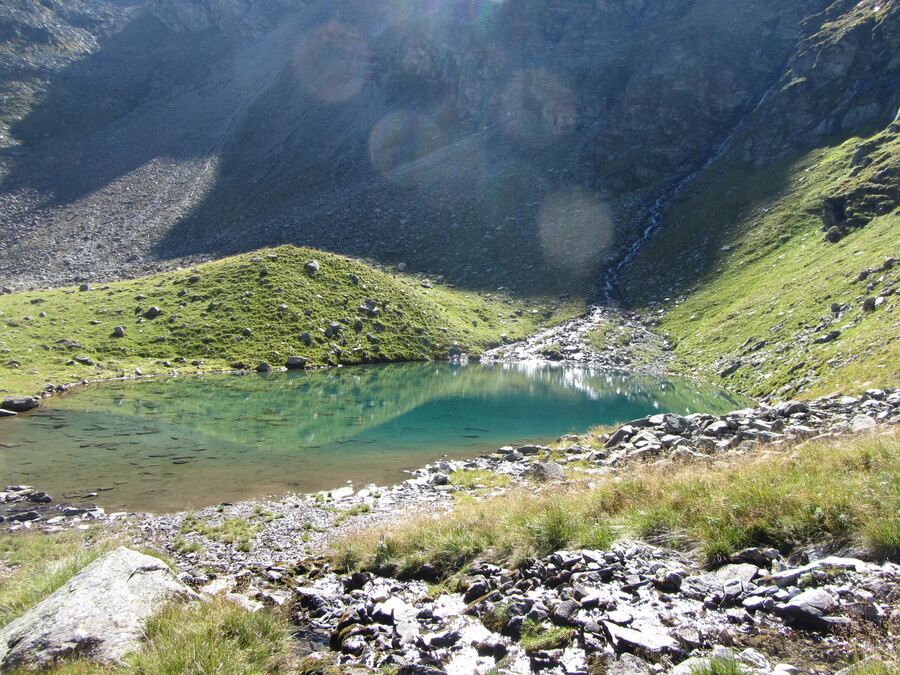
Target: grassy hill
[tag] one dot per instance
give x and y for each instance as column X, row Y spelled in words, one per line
column 240, row 311
column 757, row 298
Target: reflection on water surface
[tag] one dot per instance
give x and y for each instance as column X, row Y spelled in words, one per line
column 162, row 445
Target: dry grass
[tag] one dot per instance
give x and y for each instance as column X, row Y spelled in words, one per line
column 829, row 490
column 35, row 564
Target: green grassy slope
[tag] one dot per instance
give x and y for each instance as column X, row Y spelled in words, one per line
column 748, row 280
column 237, row 312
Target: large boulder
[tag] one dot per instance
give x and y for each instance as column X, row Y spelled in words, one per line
column 99, row 614
column 19, row 403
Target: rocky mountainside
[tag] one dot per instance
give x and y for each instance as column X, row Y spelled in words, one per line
column 496, row 143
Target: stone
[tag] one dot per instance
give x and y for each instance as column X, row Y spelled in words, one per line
column 760, row 557
column 39, row 498
column 861, row 423
column 808, row 608
column 153, row 312
column 296, row 362
column 312, row 267
column 23, row 516
column 703, row 586
column 628, row 664
column 245, row 603
column 718, row 428
column 545, row 471
column 868, row 305
column 306, row 338
column 620, row 435
column 788, row 408
column 263, row 368
column 758, row 603
column 652, row 645
column 731, row 368
column 564, row 613
column 119, row 331
column 390, row 610
column 19, row 403
column 99, row 614
column 754, row 658
column 743, row 572
column 492, row 646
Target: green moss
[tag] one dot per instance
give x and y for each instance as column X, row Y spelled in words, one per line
column 536, row 637
column 240, row 311
column 478, row 478
column 237, row 531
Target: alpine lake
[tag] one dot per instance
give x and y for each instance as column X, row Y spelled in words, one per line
column 169, row 444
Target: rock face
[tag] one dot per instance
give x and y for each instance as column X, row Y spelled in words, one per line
column 525, row 128
column 98, row 614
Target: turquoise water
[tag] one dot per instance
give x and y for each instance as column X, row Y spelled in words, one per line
column 167, row 444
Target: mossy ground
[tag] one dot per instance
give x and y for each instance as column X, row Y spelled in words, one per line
column 240, row 311
column 741, row 271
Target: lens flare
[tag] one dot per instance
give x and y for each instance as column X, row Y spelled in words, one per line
column 399, row 139
column 576, row 230
column 333, row 62
column 535, row 107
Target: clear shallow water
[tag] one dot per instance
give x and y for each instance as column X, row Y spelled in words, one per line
column 163, row 445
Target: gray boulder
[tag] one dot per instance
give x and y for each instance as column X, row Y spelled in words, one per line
column 544, row 471
column 296, row 362
column 19, row 403
column 809, row 608
column 99, row 614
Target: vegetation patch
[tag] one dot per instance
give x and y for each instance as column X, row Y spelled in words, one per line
column 257, row 307
column 785, row 497
column 536, row 637
column 235, row 531
column 758, row 299
column 478, row 478
column 34, row 564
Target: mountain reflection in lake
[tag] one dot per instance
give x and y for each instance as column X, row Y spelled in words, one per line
column 163, row 445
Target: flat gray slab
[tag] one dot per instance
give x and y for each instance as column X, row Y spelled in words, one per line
column 99, row 614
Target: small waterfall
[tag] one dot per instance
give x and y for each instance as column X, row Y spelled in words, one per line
column 655, row 212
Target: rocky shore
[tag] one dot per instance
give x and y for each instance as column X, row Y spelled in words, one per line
column 635, row 608
column 627, row 343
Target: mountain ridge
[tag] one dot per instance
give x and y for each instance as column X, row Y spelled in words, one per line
column 460, row 142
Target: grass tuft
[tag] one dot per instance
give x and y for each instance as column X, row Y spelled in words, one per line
column 37, row 564
column 536, row 637
column 827, row 490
